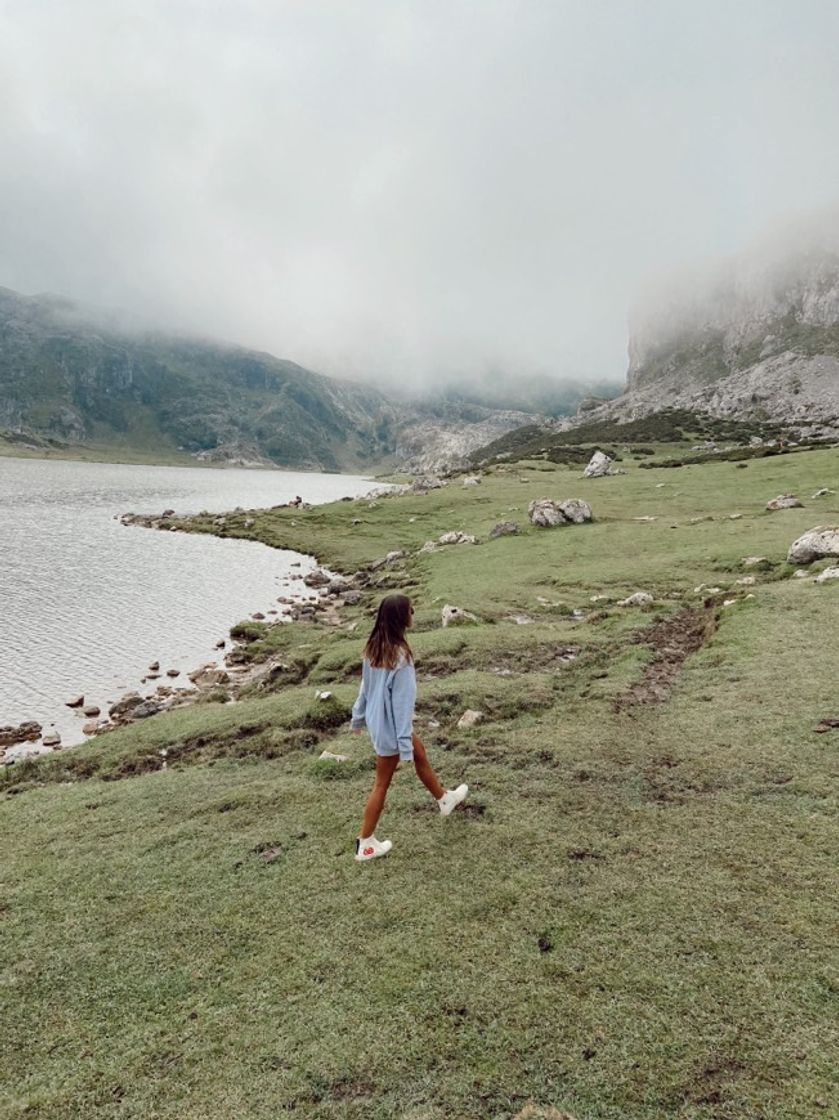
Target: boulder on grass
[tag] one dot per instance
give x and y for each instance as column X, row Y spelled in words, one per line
column 639, row 599
column 455, row 616
column 828, row 573
column 503, row 529
column 548, row 513
column 470, row 718
column 815, row 544
column 784, row 501
column 598, row 466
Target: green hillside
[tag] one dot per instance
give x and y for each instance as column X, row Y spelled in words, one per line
column 75, row 379
column 632, row 918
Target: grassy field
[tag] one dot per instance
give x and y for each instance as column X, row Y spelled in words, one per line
column 633, row 918
column 95, row 453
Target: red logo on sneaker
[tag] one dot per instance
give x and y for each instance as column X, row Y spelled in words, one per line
column 367, row 852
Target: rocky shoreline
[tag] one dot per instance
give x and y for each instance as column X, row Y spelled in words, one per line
column 325, row 593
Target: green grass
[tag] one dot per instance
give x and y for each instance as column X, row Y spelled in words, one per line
column 634, row 921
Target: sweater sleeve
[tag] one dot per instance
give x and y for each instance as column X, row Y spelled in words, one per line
column 359, row 708
column 403, row 696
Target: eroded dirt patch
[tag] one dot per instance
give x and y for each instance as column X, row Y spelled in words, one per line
column 672, row 640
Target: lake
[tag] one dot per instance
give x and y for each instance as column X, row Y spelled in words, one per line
column 87, row 604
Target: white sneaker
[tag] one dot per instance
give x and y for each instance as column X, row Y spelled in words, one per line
column 451, row 798
column 370, row 848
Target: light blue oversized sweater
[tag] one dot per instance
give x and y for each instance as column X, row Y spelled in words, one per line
column 386, row 704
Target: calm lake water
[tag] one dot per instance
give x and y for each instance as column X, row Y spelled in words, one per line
column 86, row 604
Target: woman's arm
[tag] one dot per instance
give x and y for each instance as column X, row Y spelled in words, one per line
column 360, row 706
column 403, row 693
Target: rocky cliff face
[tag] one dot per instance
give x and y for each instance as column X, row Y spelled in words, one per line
column 760, row 338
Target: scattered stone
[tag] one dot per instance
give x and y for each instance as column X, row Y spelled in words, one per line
column 155, row 665
column 328, row 755
column 800, row 573
column 647, row 518
column 317, row 578
column 249, row 522
column 598, row 466
column 828, row 573
column 753, row 561
column 173, row 672
column 76, row 702
column 221, row 643
column 470, row 718
column 503, row 529
column 639, row 599
column 51, row 739
column 815, row 544
column 352, row 597
column 25, row 750
column 519, row 619
column 454, row 616
column 423, row 484
column 124, row 707
column 322, row 695
column 146, row 709
column 735, row 517
column 24, row 732
column 456, row 537
column 823, row 492
column 548, row 513
column 784, row 501
column 746, row 581
column 828, row 724
column 90, row 728
column 208, row 676
column 91, row 710
column 472, row 480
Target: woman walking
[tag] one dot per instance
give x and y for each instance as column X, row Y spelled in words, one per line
column 386, row 705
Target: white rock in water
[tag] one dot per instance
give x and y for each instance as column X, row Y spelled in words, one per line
column 453, row 616
column 828, row 573
column 784, row 501
column 598, row 465
column 470, row 718
column 814, row 545
column 639, row 599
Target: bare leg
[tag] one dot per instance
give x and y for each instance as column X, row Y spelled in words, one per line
column 385, row 769
column 424, row 771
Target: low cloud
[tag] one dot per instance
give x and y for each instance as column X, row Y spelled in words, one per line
column 410, row 191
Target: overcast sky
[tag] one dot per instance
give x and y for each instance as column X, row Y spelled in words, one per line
column 405, row 188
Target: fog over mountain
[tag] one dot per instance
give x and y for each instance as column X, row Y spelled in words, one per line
column 406, row 191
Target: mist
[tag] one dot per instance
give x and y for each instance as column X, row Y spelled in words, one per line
column 413, row 193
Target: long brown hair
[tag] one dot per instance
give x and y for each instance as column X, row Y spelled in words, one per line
column 387, row 640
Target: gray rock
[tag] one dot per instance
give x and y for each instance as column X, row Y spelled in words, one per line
column 146, row 709
column 125, row 706
column 76, row 702
column 639, row 599
column 815, row 544
column 828, row 573
column 503, row 529
column 472, row 480
column 575, row 510
column 545, row 512
column 784, row 501
column 470, row 718
column 91, row 710
column 51, row 739
column 456, row 537
column 598, row 466
column 823, row 492
column 456, row 616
